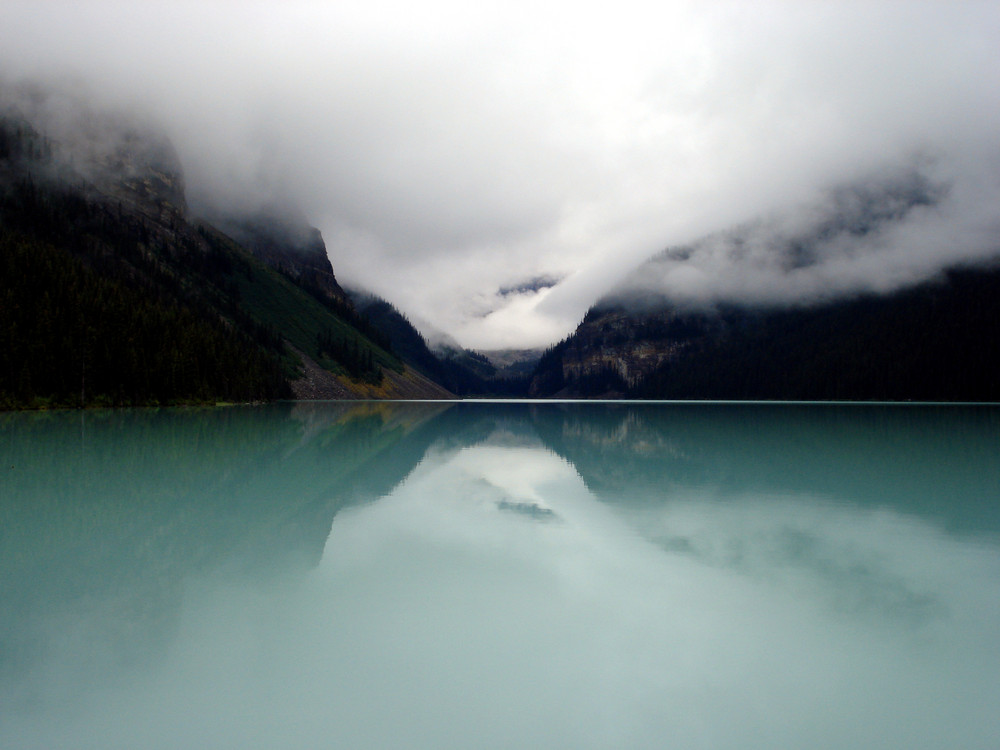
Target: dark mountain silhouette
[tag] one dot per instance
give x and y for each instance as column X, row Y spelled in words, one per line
column 115, row 293
column 461, row 371
column 939, row 341
column 935, row 340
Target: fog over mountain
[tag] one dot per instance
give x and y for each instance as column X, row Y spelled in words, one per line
column 454, row 155
column 888, row 232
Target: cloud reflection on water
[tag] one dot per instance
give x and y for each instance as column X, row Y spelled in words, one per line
column 741, row 621
column 690, row 602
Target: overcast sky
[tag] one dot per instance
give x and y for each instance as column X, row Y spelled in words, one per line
column 450, row 150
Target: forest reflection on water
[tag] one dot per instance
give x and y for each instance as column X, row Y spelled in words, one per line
column 498, row 575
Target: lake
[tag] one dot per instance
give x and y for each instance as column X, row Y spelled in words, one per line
column 501, row 575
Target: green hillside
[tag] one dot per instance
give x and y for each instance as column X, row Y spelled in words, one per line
column 325, row 329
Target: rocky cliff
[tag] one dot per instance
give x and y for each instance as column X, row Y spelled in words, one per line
column 283, row 238
column 614, row 350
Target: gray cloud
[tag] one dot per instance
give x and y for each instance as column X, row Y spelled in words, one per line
column 448, row 152
column 872, row 235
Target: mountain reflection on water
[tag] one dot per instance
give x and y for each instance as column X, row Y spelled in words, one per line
column 501, row 574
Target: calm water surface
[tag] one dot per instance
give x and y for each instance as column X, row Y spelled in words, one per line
column 500, row 576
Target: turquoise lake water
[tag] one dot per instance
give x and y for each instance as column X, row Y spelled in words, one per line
column 501, row 575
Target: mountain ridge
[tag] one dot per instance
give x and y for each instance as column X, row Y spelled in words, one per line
column 936, row 341
column 115, row 293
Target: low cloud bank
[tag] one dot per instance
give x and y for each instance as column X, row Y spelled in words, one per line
column 874, row 235
column 451, row 153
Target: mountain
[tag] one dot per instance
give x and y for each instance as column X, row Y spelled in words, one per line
column 461, row 371
column 938, row 340
column 613, row 351
column 282, row 238
column 513, row 363
column 115, row 293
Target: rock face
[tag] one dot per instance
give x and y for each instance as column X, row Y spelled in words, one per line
column 106, row 154
column 138, row 167
column 614, row 351
column 632, row 346
column 282, row 238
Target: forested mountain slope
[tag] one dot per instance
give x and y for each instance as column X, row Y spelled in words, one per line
column 113, row 292
column 463, row 372
column 939, row 341
column 848, row 298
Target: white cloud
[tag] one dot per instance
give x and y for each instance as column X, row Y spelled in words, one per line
column 447, row 150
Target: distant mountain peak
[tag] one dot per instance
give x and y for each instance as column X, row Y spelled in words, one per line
column 534, row 284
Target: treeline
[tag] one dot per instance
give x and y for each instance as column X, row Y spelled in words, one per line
column 935, row 342
column 348, row 351
column 18, row 140
column 464, row 373
column 103, row 307
column 344, row 310
column 939, row 341
column 72, row 337
column 551, row 377
column 122, row 300
column 111, row 239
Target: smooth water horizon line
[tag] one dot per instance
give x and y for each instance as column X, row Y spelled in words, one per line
column 641, row 401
